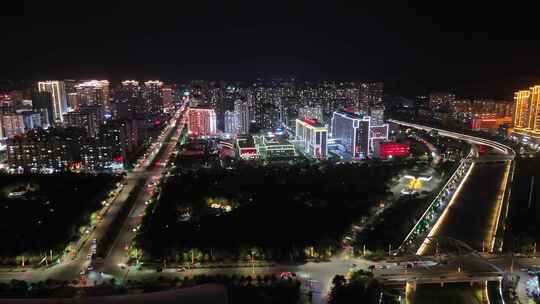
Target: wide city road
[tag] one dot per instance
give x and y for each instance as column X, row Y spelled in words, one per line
column 115, row 262
column 71, row 266
column 473, row 215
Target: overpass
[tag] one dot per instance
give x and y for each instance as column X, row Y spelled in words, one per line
column 440, row 278
column 475, row 214
column 506, row 156
column 469, row 268
column 494, row 158
column 504, row 149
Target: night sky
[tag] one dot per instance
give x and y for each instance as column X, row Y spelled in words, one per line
column 482, row 49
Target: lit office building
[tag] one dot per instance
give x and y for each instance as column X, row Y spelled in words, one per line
column 58, row 95
column 232, row 122
column 152, row 95
column 119, row 138
column 245, row 147
column 89, row 118
column 93, row 93
column 270, row 117
column 315, row 112
column 377, row 115
column 32, row 119
column 489, row 123
column 73, row 101
column 129, row 88
column 70, row 84
column 352, row 131
column 274, row 147
column 167, row 96
column 371, row 94
column 377, row 134
column 202, row 121
column 241, row 108
column 526, row 113
column 51, row 149
column 312, row 137
column 124, row 108
column 11, row 125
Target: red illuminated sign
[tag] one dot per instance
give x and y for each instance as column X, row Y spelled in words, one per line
column 393, row 149
column 248, row 151
column 311, row 121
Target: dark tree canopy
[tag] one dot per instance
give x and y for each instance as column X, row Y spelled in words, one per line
column 48, row 215
column 278, row 209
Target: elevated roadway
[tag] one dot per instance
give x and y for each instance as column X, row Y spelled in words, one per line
column 475, row 215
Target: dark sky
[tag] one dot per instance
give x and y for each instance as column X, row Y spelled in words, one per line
column 479, row 49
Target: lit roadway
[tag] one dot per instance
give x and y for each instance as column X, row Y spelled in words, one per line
column 117, row 255
column 476, row 207
column 319, row 274
column 316, row 275
column 474, row 212
column 70, row 267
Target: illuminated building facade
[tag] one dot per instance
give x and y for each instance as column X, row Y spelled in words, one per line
column 73, row 100
column 484, row 114
column 92, row 93
column 152, row 94
column 129, row 88
column 527, row 113
column 377, row 115
column 54, row 148
column 241, row 109
column 119, row 137
column 11, row 125
column 167, row 97
column 377, row 134
column 89, row 118
column 311, row 112
column 312, row 137
column 232, row 122
column 58, row 95
column 371, row 94
column 33, row 119
column 274, row 147
column 245, row 147
column 202, row 121
column 352, row 131
column 489, row 123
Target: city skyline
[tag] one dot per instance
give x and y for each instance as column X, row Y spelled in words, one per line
column 250, row 152
column 413, row 48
